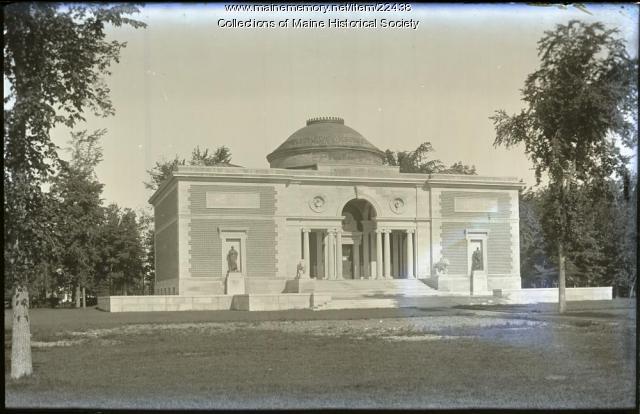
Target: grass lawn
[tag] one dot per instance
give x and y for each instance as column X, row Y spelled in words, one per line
column 474, row 356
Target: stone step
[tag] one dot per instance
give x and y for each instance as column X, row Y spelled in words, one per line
column 373, row 287
column 359, row 304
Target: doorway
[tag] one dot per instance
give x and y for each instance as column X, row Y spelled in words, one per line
column 347, row 261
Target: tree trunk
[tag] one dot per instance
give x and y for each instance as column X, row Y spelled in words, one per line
column 562, row 305
column 77, row 296
column 84, row 298
column 21, row 335
column 124, row 287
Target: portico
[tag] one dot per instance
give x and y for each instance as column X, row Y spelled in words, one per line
column 358, row 249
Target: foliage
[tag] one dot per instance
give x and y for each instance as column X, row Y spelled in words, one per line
column 534, row 260
column 419, row 161
column 442, row 265
column 163, row 169
column 55, row 59
column 602, row 251
column 581, row 105
column 147, row 232
column 78, row 193
column 122, row 255
column 582, row 97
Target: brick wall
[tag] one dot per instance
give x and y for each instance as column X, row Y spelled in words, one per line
column 205, row 246
column 206, row 254
column 167, row 253
column 454, row 246
column 167, row 209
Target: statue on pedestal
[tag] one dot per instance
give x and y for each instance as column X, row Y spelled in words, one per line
column 476, row 260
column 301, row 270
column 232, row 260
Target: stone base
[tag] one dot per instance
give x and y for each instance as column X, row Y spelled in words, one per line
column 276, row 302
column 234, row 284
column 303, row 285
column 478, row 283
column 550, row 295
column 451, row 283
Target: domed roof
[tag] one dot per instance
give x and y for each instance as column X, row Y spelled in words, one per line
column 325, row 140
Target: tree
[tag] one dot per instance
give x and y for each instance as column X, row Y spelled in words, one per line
column 122, row 254
column 420, row 161
column 147, row 234
column 532, row 243
column 78, row 192
column 55, row 60
column 581, row 103
column 163, row 169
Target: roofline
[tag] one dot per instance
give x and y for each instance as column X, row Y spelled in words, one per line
column 303, row 150
column 283, row 175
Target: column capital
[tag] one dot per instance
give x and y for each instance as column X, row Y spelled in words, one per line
column 380, row 231
column 410, row 231
column 305, row 229
column 331, row 231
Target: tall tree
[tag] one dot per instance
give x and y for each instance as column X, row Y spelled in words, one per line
column 581, row 104
column 78, row 192
column 122, row 253
column 421, row 161
column 163, row 169
column 55, row 60
column 147, row 234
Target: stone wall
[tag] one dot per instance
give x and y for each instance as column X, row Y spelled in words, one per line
column 543, row 295
column 256, row 302
column 454, row 246
column 205, row 254
column 166, row 253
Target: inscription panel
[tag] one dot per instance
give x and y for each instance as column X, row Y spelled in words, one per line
column 475, row 205
column 232, row 200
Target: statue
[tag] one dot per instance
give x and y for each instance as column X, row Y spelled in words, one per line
column 476, row 260
column 232, row 260
column 301, row 270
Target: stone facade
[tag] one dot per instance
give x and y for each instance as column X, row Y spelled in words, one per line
column 345, row 217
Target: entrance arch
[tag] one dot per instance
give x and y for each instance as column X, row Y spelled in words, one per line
column 354, row 245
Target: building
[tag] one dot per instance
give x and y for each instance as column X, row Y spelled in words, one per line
column 330, row 203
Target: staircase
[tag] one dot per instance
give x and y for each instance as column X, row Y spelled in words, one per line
column 384, row 293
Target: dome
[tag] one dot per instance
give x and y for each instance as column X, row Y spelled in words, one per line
column 325, row 140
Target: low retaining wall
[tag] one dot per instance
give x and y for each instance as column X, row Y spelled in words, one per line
column 258, row 302
column 544, row 295
column 163, row 303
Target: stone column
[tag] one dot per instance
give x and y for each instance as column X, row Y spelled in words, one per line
column 402, row 254
column 356, row 259
column 325, row 261
column 365, row 255
column 410, row 274
column 332, row 254
column 379, row 254
column 387, row 254
column 305, row 246
column 339, row 254
column 318, row 254
column 396, row 254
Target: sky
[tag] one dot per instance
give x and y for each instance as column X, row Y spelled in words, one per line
column 185, row 81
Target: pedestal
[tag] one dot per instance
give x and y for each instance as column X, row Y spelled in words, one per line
column 478, row 283
column 234, row 284
column 303, row 285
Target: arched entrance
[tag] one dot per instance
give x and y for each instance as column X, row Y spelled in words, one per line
column 353, row 250
column 356, row 247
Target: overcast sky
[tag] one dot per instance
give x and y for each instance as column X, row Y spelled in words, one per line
column 183, row 81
